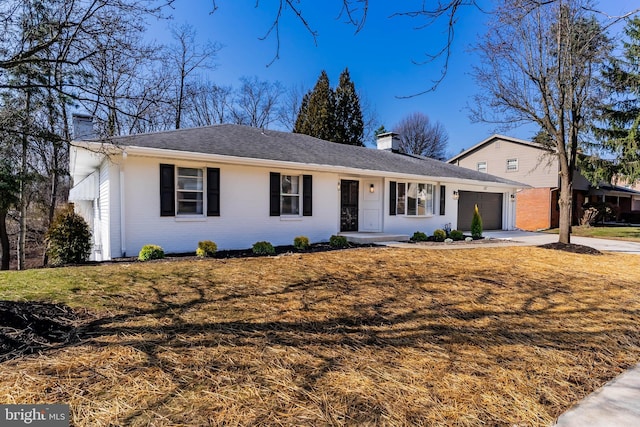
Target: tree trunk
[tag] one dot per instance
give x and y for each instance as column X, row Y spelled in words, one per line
column 22, row 204
column 565, row 200
column 4, row 242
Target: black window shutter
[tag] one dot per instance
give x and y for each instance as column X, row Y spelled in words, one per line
column 274, row 194
column 392, row 197
column 167, row 190
column 213, row 192
column 443, row 196
column 307, row 196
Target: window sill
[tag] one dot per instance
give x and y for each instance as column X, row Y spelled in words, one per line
column 290, row 218
column 190, row 218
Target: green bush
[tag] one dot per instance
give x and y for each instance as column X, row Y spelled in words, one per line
column 419, row 236
column 338, row 241
column 263, row 248
column 456, row 235
column 476, row 224
column 301, row 243
column 206, row 248
column 149, row 252
column 68, row 238
column 439, row 235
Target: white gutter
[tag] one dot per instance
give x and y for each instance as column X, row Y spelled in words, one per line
column 123, row 245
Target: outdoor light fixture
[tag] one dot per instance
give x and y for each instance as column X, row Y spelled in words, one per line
column 455, row 195
column 372, row 188
column 512, row 197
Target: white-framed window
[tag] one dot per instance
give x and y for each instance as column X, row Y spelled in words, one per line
column 512, row 165
column 415, row 199
column 289, row 195
column 481, row 167
column 189, row 191
column 401, row 198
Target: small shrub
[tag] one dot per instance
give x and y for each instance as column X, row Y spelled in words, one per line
column 439, row 235
column 419, row 236
column 597, row 212
column 338, row 241
column 149, row 252
column 68, row 238
column 206, row 248
column 301, row 243
column 263, row 248
column 448, row 240
column 456, row 235
column 476, row 224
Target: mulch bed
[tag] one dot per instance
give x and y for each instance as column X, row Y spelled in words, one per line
column 573, row 248
column 30, row 327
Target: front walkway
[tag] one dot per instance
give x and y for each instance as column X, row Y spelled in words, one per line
column 531, row 238
column 528, row 238
column 617, row 404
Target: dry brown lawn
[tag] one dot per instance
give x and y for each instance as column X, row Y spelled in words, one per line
column 500, row 336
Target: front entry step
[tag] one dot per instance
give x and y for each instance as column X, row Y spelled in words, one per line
column 366, row 238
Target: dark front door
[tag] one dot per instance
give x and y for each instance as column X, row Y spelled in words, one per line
column 348, row 205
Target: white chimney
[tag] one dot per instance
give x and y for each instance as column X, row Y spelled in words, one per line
column 388, row 141
column 83, row 127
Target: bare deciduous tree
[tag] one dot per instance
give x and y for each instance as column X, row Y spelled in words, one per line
column 540, row 66
column 290, row 106
column 256, row 102
column 186, row 57
column 418, row 135
column 208, row 104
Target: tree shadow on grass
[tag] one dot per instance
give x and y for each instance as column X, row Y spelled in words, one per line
column 329, row 314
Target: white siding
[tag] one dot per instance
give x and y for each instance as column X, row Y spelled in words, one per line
column 109, row 210
column 244, row 210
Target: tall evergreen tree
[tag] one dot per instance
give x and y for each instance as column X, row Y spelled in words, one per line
column 332, row 115
column 622, row 116
column 301, row 123
column 317, row 115
column 348, row 114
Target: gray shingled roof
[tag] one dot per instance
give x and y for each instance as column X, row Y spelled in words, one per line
column 255, row 143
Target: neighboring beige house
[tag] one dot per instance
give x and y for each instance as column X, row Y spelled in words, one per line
column 532, row 164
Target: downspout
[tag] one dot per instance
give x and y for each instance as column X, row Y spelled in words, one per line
column 123, row 245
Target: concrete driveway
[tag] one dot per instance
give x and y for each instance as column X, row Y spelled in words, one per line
column 527, row 238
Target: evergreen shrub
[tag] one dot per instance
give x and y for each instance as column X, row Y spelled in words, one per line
column 263, row 248
column 149, row 252
column 456, row 235
column 301, row 243
column 206, row 248
column 476, row 224
column 419, row 236
column 439, row 235
column 68, row 238
column 338, row 241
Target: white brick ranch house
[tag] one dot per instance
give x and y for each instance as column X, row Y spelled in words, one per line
column 237, row 185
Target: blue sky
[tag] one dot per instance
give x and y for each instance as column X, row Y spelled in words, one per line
column 380, row 57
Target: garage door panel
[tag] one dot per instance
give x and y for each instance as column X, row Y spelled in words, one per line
column 489, row 205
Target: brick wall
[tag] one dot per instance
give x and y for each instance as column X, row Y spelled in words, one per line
column 533, row 209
